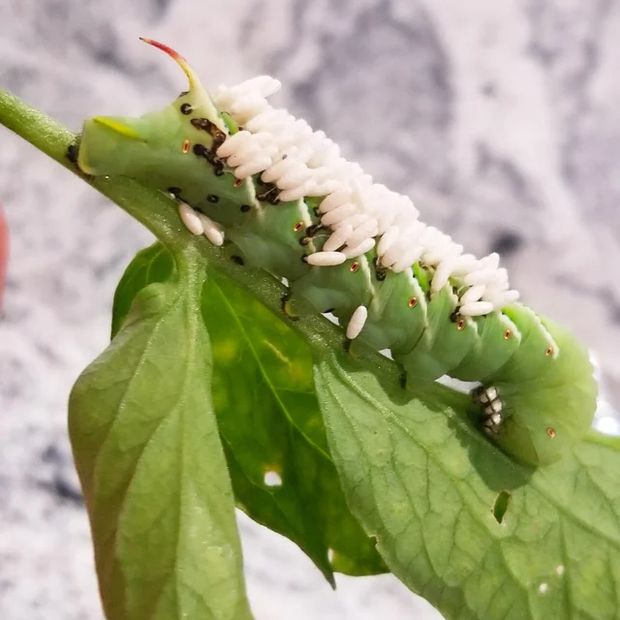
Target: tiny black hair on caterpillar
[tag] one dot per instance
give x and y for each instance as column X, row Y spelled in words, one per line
column 283, row 195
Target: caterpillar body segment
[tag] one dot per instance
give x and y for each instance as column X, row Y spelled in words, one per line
column 497, row 341
column 536, row 349
column 443, row 344
column 270, row 237
column 397, row 314
column 287, row 201
column 339, row 289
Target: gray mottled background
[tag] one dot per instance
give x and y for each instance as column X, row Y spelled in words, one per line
column 501, row 119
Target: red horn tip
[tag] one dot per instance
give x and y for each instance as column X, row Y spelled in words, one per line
column 164, row 48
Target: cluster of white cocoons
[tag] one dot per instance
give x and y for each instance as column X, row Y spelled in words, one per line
column 199, row 224
column 359, row 213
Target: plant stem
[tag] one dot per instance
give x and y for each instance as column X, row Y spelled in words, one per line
column 157, row 211
column 148, row 206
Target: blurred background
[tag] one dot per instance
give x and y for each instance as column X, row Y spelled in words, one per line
column 500, row 119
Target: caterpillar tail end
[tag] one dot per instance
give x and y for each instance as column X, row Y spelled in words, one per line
column 538, row 419
column 197, row 90
column 180, row 60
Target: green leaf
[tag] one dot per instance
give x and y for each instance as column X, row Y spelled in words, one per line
column 153, row 264
column 152, row 468
column 269, row 421
column 458, row 521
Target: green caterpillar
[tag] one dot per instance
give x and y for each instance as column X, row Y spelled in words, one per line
column 291, row 205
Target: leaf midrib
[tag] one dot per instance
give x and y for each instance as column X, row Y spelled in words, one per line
column 123, row 400
column 190, row 360
column 265, row 375
column 370, row 401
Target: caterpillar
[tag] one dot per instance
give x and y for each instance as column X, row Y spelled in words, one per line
column 246, row 173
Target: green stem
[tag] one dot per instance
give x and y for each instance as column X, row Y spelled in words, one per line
column 148, row 206
column 157, row 211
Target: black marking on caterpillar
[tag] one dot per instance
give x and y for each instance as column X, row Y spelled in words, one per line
column 72, row 153
column 313, row 229
column 270, row 194
column 186, row 108
column 216, row 162
column 200, row 149
column 205, row 124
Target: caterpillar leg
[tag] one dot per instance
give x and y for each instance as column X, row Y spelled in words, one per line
column 72, row 152
column 285, row 305
column 491, row 407
column 343, row 289
column 445, row 342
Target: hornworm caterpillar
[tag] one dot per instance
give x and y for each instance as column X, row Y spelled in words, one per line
column 282, row 194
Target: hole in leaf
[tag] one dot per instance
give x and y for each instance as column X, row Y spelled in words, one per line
column 272, row 479
column 501, row 505
column 330, row 556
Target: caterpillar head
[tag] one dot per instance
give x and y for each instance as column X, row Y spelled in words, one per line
column 159, row 141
